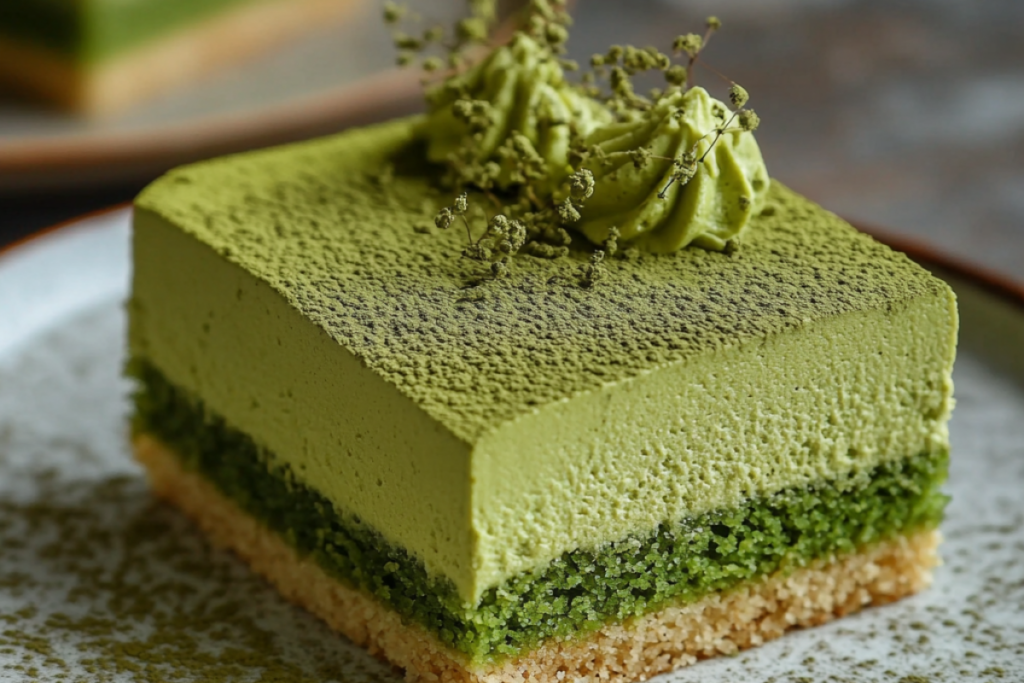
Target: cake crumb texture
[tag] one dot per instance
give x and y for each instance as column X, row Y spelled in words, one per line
column 635, row 650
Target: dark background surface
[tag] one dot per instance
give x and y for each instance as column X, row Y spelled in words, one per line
column 905, row 114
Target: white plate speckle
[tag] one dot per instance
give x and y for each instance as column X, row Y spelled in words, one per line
column 100, row 583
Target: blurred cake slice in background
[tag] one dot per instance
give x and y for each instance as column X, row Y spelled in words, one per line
column 98, row 57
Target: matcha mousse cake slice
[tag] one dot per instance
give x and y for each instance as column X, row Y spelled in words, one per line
column 99, row 56
column 523, row 478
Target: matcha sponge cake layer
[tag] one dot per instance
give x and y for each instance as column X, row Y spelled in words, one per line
column 580, row 591
column 520, row 468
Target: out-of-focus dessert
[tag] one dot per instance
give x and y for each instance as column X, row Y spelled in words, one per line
column 100, row 56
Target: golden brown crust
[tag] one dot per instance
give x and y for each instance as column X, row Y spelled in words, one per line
column 168, row 62
column 659, row 642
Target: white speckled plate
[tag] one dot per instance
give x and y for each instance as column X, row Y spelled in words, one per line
column 99, row 582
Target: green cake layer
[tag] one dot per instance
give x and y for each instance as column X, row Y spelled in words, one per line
column 89, row 31
column 579, row 591
column 489, row 428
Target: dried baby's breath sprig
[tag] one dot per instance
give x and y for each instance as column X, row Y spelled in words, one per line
column 448, row 48
column 444, row 218
column 684, row 168
column 611, row 243
column 567, row 212
column 748, row 120
column 472, row 30
column 548, row 23
column 478, row 115
column 621, row 62
column 433, row 34
column 502, row 238
column 581, row 185
column 393, row 12
column 677, row 74
column 691, row 44
column 500, row 268
column 619, row 65
column 447, row 215
column 641, row 157
column 403, row 41
column 530, row 200
column 591, row 272
column 738, row 96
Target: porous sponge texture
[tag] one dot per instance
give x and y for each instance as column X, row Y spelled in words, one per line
column 636, row 649
column 579, row 590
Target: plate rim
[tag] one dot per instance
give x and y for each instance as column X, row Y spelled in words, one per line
column 36, row 163
column 995, row 283
column 332, row 106
column 13, row 249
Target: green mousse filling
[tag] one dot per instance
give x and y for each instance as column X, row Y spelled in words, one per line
column 92, row 30
column 580, row 591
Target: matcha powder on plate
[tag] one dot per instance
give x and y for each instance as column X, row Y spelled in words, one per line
column 98, row 582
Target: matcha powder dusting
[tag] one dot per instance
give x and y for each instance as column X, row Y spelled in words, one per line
column 99, row 581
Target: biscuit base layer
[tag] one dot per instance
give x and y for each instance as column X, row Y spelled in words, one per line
column 165, row 63
column 721, row 623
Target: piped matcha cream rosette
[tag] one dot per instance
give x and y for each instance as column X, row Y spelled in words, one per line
column 645, row 197
column 547, row 470
column 519, row 90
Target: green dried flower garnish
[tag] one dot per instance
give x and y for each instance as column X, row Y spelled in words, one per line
column 666, row 170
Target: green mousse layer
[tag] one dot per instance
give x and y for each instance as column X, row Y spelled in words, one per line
column 90, row 31
column 579, row 591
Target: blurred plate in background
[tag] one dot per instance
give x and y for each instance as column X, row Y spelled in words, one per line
column 339, row 76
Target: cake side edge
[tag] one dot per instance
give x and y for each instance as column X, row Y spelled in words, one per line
column 721, row 623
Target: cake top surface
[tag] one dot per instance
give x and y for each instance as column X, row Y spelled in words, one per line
column 342, row 228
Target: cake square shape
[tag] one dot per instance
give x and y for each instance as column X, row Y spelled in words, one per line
column 524, row 478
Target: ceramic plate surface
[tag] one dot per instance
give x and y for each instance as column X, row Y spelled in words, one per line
column 99, row 582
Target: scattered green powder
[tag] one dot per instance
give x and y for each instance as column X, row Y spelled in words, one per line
column 142, row 597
